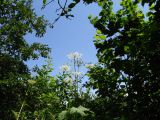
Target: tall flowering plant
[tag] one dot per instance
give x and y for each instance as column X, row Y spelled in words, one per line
column 71, row 80
column 71, row 73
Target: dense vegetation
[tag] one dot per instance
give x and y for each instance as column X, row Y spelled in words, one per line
column 123, row 85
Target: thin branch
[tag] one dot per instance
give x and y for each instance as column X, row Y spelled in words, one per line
column 61, row 8
column 47, row 4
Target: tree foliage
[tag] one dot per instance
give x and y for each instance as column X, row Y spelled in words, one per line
column 79, row 113
column 127, row 79
column 17, row 18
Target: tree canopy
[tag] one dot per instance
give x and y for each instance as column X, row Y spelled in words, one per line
column 17, row 18
column 128, row 51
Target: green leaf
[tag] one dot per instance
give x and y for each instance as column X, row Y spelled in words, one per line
column 152, row 6
column 31, row 82
column 72, row 5
column 62, row 115
column 90, row 16
column 15, row 114
column 44, row 2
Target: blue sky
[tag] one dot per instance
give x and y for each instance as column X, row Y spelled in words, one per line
column 68, row 35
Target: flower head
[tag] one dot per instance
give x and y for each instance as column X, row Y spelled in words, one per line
column 89, row 66
column 65, row 68
column 74, row 55
column 77, row 73
column 68, row 80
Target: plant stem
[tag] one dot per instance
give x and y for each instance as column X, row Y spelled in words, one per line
column 19, row 113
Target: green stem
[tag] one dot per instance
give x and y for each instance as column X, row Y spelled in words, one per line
column 19, row 113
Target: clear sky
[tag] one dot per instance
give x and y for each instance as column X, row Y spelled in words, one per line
column 68, row 35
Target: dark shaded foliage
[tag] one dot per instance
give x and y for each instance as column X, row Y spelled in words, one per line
column 17, row 18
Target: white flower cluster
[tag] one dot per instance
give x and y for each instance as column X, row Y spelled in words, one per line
column 77, row 74
column 89, row 66
column 74, row 55
column 68, row 80
column 65, row 68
